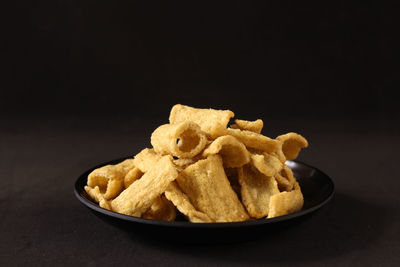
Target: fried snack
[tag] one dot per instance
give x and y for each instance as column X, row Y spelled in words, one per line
column 162, row 209
column 109, row 179
column 233, row 153
column 146, row 159
column 183, row 163
column 204, row 170
column 286, row 202
column 256, row 190
column 212, row 122
column 209, row 190
column 288, row 174
column 292, row 143
column 132, row 176
column 267, row 164
column 233, row 177
column 127, row 165
column 183, row 204
column 140, row 195
column 182, row 140
column 252, row 126
column 254, row 140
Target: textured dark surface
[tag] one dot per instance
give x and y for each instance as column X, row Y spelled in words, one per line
column 43, row 223
column 84, row 82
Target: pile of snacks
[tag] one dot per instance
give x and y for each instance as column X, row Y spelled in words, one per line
column 205, row 171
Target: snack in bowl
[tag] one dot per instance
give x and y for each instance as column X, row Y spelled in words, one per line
column 204, row 171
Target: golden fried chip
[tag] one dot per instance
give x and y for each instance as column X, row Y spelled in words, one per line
column 292, row 143
column 95, row 194
column 286, row 202
column 132, row 176
column 254, row 140
column 287, row 173
column 140, row 195
column 212, row 122
column 252, row 126
column 183, row 204
column 109, row 179
column 233, row 153
column 267, row 164
column 283, row 183
column 127, row 165
column 183, row 162
column 146, row 159
column 162, row 209
column 105, row 204
column 233, row 177
column 256, row 190
column 183, row 140
column 209, row 190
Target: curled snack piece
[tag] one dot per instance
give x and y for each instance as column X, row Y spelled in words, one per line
column 266, row 163
column 254, row 140
column 146, row 159
column 109, row 179
column 212, row 122
column 233, row 152
column 183, row 140
column 140, row 195
column 292, row 143
column 183, row 204
column 256, row 190
column 252, row 126
column 286, row 202
column 162, row 209
column 209, row 190
column 95, row 194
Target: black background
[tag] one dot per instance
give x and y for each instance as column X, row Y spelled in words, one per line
column 84, row 82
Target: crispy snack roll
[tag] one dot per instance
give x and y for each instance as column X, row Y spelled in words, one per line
column 292, row 143
column 254, row 140
column 286, row 202
column 252, row 126
column 139, row 196
column 266, row 163
column 233, row 152
column 209, row 190
column 146, row 159
column 108, row 179
column 212, row 122
column 183, row 204
column 256, row 190
column 132, row 176
column 285, row 179
column 183, row 140
column 162, row 209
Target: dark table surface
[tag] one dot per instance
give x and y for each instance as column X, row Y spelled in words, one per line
column 44, row 224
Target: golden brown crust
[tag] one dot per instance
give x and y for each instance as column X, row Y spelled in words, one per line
column 233, row 153
column 140, row 195
column 292, row 143
column 209, row 190
column 252, row 126
column 183, row 204
column 254, row 140
column 286, row 202
column 213, row 122
column 183, row 140
column 256, row 190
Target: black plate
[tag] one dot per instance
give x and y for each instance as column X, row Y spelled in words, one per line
column 316, row 186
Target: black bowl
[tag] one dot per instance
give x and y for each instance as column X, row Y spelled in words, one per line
column 316, row 186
